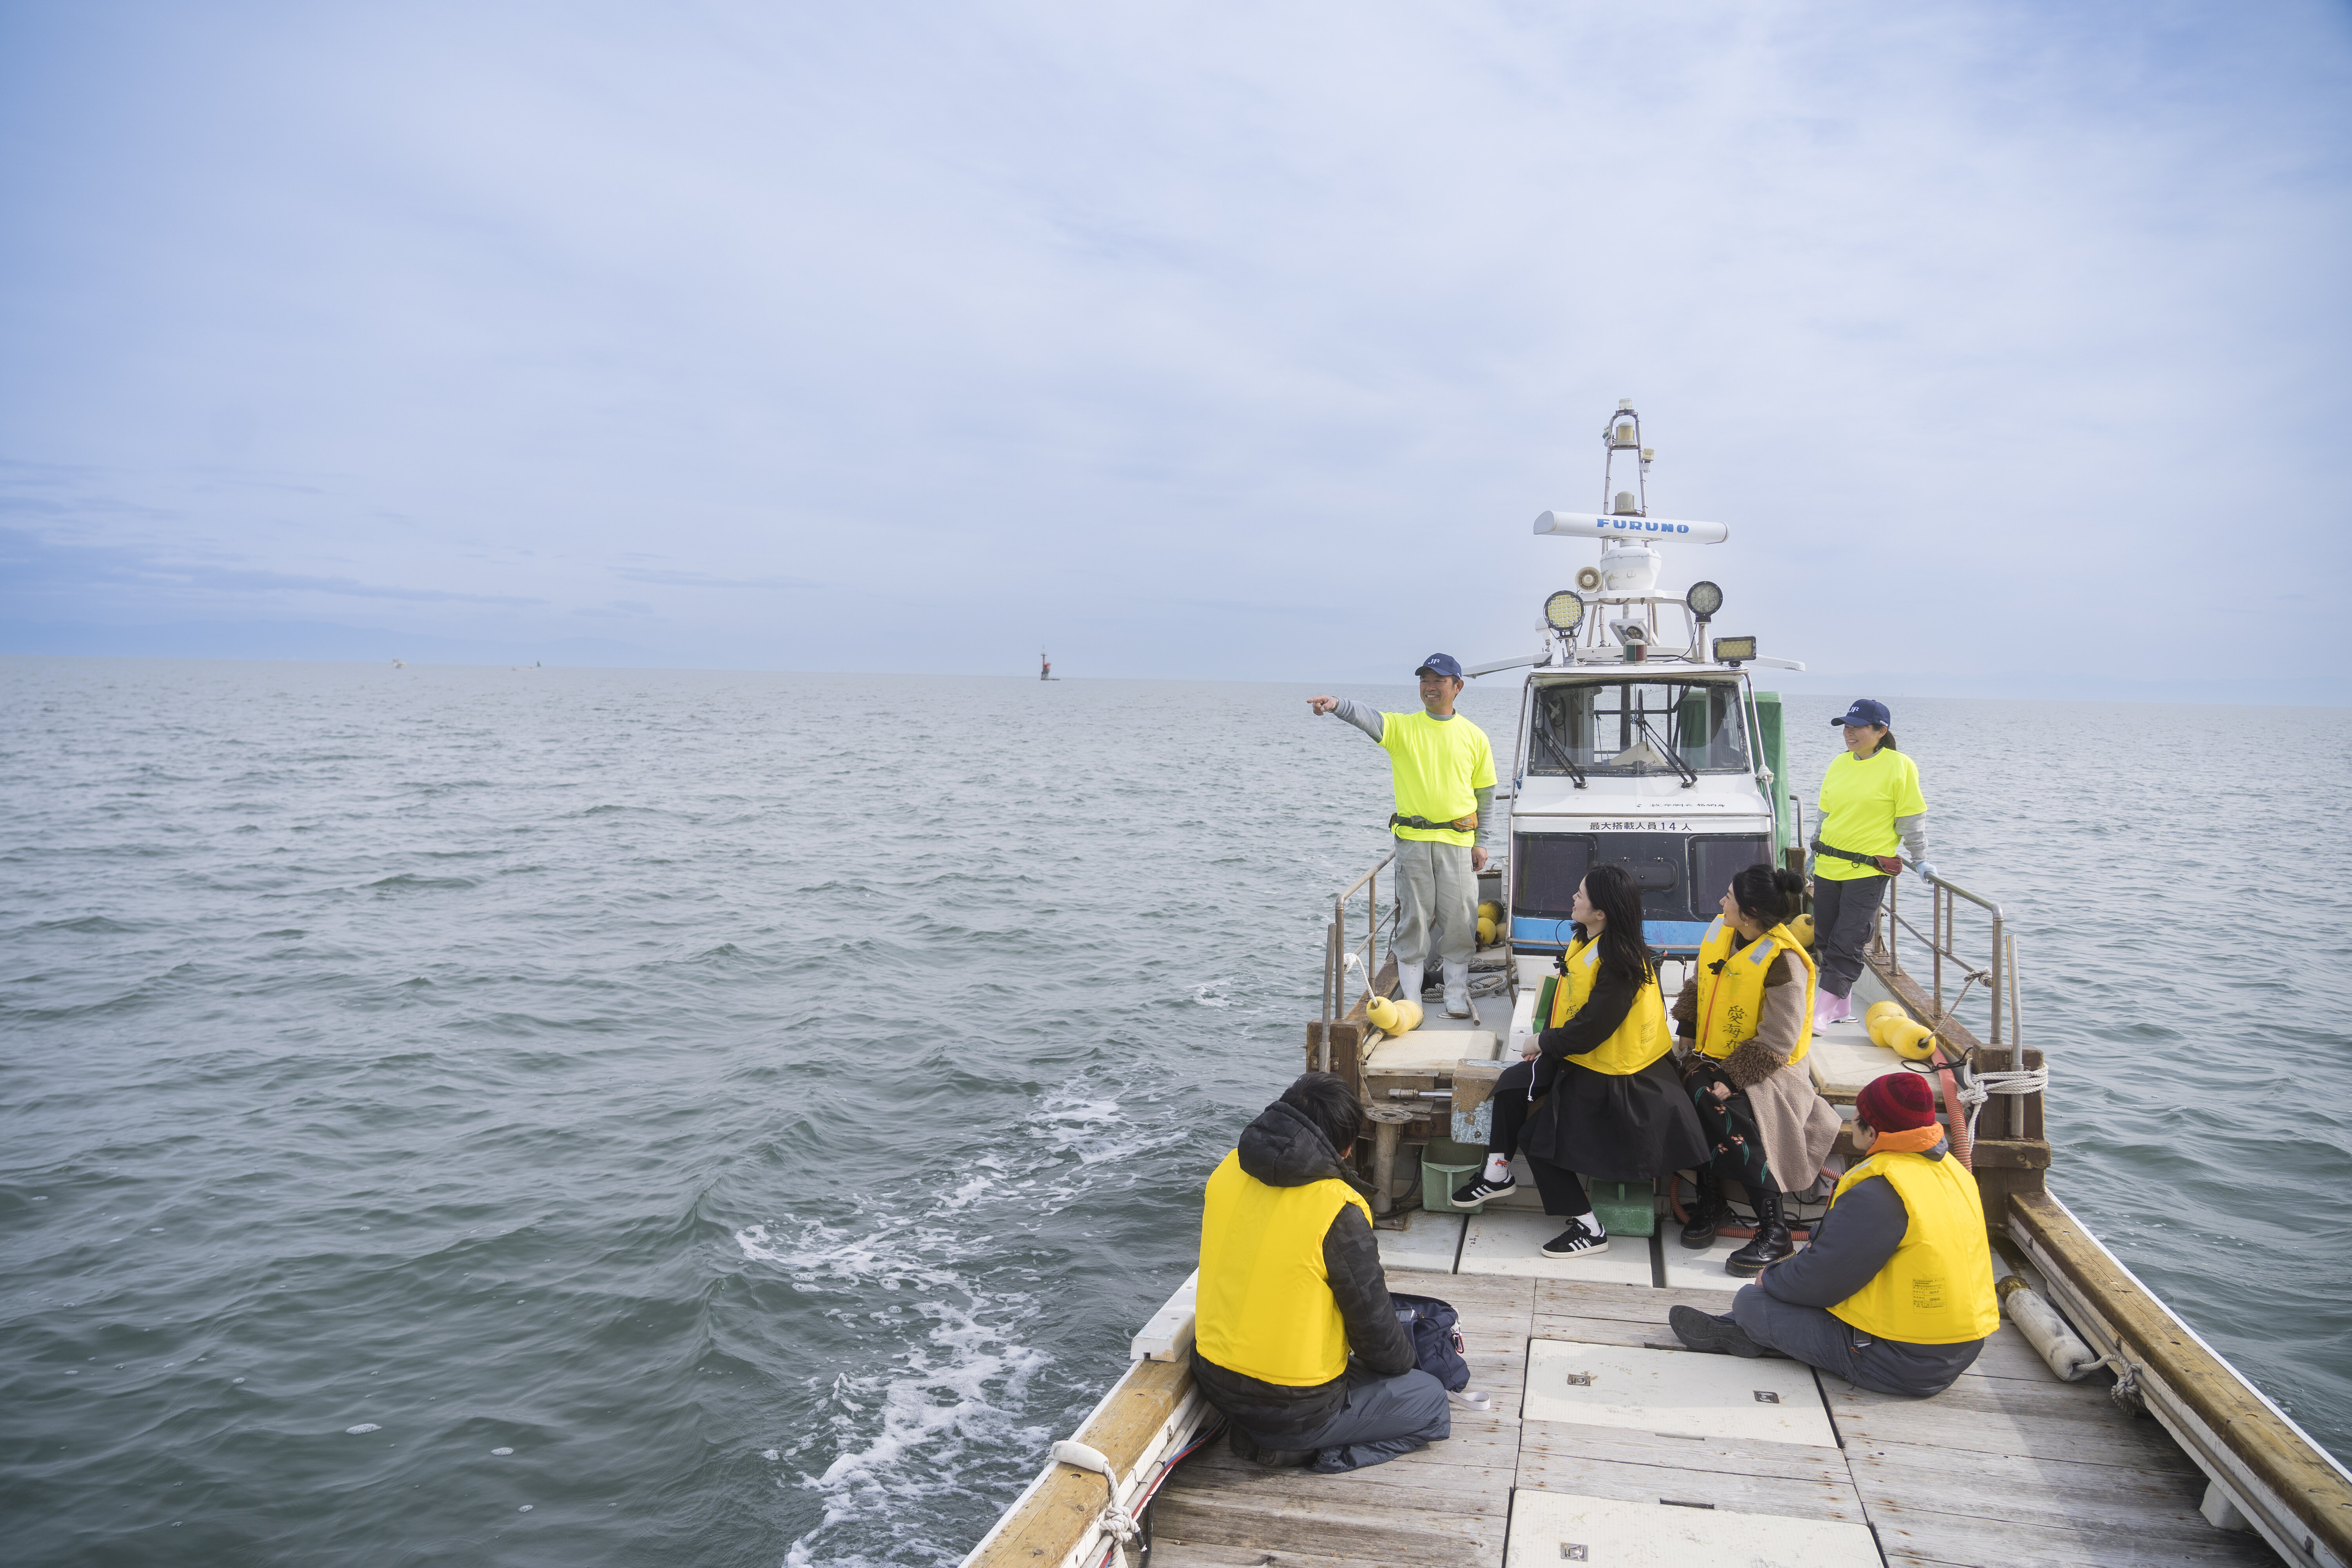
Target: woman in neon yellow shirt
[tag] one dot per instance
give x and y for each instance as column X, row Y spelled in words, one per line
column 1870, row 807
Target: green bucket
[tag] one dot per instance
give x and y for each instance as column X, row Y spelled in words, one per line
column 1438, row 1181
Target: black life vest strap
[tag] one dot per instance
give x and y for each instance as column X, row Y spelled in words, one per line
column 1398, row 819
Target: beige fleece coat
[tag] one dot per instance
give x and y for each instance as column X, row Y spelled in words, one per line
column 1798, row 1124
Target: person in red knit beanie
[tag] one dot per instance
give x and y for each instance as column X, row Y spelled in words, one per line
column 1895, row 1292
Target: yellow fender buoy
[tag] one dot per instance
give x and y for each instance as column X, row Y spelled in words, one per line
column 1801, row 928
column 1485, row 931
column 1906, row 1037
column 1393, row 1015
column 1880, row 1010
column 1491, row 911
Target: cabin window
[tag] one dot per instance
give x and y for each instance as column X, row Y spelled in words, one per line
column 1715, row 861
column 1549, row 868
column 1637, row 727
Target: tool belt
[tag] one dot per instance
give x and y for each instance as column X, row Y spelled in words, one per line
column 1885, row 865
column 1398, row 819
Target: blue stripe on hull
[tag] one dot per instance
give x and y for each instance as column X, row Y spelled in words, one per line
column 1667, row 936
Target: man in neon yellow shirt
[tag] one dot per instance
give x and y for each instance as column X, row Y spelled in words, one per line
column 1445, row 773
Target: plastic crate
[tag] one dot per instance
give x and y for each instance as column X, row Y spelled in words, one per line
column 1626, row 1208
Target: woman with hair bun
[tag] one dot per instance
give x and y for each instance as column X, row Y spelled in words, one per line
column 1746, row 1021
column 1599, row 1097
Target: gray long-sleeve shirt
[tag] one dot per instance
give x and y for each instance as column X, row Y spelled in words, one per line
column 1369, row 722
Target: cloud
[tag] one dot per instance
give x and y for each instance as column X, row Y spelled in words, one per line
column 703, row 579
column 1176, row 337
column 33, row 565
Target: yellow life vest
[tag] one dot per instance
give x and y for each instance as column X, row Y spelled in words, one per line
column 1640, row 1040
column 1938, row 1287
column 1264, row 1306
column 1731, row 988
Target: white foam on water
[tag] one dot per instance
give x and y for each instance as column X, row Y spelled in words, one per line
column 362, row 1427
column 946, row 1400
column 502, row 1451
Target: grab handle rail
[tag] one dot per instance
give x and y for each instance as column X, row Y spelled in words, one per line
column 1337, row 953
column 1997, row 973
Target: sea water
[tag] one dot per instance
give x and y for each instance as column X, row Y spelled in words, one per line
column 473, row 1115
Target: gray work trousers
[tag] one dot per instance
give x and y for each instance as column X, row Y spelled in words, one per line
column 1438, row 901
column 1809, row 1334
column 1384, row 1417
column 1845, row 914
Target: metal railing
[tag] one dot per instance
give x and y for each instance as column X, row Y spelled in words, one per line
column 1340, row 956
column 1997, row 973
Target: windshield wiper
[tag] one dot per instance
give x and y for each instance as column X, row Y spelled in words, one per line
column 1689, row 773
column 1544, row 739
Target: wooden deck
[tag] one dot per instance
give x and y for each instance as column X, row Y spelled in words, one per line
column 2009, row 1467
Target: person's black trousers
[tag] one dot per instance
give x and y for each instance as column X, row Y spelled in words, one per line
column 1563, row 1192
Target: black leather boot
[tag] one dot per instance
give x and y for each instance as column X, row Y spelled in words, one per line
column 1771, row 1243
column 1706, row 1214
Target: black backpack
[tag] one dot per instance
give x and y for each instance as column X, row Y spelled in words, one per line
column 1436, row 1343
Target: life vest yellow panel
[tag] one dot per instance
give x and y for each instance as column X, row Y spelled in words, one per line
column 1938, row 1287
column 1731, row 987
column 1264, row 1306
column 1640, row 1040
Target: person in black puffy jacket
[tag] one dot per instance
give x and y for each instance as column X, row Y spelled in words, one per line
column 1296, row 1341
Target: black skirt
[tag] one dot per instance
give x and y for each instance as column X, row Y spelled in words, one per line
column 1616, row 1127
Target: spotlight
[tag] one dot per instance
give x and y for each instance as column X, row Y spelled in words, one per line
column 1564, row 611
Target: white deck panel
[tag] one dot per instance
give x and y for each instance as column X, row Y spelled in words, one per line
column 1511, row 1243
column 1548, row 1529
column 1431, row 1049
column 1701, row 1268
column 1532, row 971
column 1675, row 1393
column 1428, row 1241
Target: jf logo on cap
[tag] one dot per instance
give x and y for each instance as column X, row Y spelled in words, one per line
column 1866, row 710
column 1444, row 664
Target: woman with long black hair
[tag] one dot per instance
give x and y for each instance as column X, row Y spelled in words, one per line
column 1599, row 1097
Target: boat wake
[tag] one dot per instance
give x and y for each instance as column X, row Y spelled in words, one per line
column 941, row 1299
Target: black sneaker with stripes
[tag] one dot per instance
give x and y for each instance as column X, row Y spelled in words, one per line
column 1480, row 1191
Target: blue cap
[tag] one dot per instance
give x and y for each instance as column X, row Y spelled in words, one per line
column 1440, row 664
column 1866, row 711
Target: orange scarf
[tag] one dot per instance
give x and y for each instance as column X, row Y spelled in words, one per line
column 1911, row 1140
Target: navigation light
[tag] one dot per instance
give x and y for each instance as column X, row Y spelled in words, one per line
column 1564, row 611
column 1704, row 599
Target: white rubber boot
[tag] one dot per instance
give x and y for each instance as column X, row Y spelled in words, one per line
column 1409, row 980
column 1457, row 991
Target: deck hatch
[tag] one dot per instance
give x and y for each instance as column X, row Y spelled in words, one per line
column 1550, row 1528
column 1633, row 1389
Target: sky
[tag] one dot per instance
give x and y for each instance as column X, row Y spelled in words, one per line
column 1210, row 341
